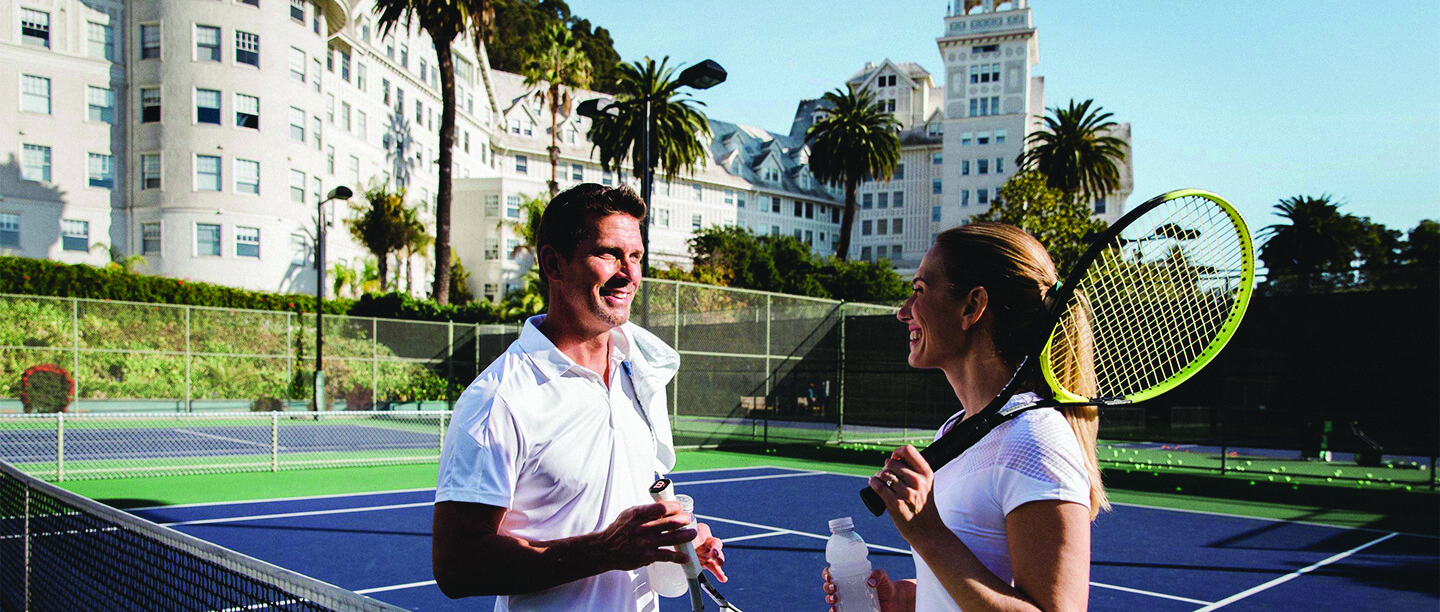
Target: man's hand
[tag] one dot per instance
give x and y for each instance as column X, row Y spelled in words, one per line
column 645, row 534
column 707, row 548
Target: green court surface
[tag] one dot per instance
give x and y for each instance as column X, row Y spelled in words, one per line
column 191, row 489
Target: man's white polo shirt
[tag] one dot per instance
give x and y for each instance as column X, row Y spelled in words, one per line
column 540, row 435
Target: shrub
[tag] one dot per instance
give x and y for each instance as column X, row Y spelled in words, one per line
column 267, row 404
column 46, row 388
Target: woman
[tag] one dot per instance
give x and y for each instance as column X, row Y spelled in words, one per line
column 1007, row 524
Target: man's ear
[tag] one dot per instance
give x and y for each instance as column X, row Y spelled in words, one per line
column 973, row 306
column 551, row 263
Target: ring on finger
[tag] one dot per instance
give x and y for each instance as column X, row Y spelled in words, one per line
column 889, row 479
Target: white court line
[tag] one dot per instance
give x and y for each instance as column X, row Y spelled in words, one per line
column 1292, row 575
column 395, row 587
column 225, row 438
column 745, row 478
column 258, row 517
column 1150, row 593
column 754, row 536
column 736, row 469
column 782, row 530
column 279, row 499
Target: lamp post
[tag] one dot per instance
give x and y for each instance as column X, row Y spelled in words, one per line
column 339, row 193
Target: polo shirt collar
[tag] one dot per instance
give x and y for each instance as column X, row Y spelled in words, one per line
column 552, row 362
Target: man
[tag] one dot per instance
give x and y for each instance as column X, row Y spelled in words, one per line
column 543, row 488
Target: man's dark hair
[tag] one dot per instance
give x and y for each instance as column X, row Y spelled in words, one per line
column 568, row 218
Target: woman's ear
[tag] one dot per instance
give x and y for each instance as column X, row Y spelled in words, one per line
column 973, row 306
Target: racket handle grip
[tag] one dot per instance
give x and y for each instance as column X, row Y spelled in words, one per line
column 872, row 501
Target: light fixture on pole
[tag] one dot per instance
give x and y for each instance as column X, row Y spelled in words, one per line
column 703, row 75
column 339, row 193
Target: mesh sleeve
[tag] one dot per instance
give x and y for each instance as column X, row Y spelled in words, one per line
column 1040, row 459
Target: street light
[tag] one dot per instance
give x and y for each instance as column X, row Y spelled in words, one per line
column 703, row 75
column 339, row 193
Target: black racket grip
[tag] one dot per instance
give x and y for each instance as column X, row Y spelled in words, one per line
column 872, row 501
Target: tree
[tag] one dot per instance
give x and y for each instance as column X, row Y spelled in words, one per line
column 1060, row 223
column 1317, row 244
column 415, row 240
column 527, row 229
column 679, row 126
column 1075, row 153
column 444, row 21
column 561, row 66
column 380, row 225
column 518, row 28
column 854, row 140
column 736, row 257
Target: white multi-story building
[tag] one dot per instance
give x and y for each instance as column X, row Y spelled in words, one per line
column 203, row 135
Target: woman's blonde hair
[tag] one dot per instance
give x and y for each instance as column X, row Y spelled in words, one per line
column 1019, row 278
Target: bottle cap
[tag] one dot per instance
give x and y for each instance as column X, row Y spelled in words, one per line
column 687, row 503
column 843, row 523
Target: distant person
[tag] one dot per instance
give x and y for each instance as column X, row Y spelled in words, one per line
column 543, row 496
column 1007, row 524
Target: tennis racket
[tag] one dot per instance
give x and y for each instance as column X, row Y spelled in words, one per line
column 664, row 490
column 1156, row 296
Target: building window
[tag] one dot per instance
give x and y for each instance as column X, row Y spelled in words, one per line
column 247, row 242
column 354, row 167
column 899, row 172
column 964, row 197
column 982, row 166
column 300, row 251
column 101, row 170
column 247, row 48
column 34, row 94
column 867, row 201
column 35, row 27
column 882, row 200
column 965, row 167
column 522, row 165
column 360, row 76
column 662, row 217
column 491, row 291
column 315, row 19
column 297, row 64
column 207, row 106
column 207, row 240
column 775, row 204
column 512, row 206
column 207, row 43
column 101, row 104
column 881, row 252
column 330, row 160
column 740, row 200
column 35, row 163
column 935, row 214
column 982, row 107
column 207, row 173
column 512, row 248
column 897, row 225
column 297, row 11
column 150, row 171
column 577, row 172
column 1100, row 206
column 345, row 116
column 149, row 105
column 999, row 136
column 297, row 186
column 835, row 214
column 492, row 206
column 247, row 111
column 315, row 70
column 982, row 138
column 492, row 249
column 361, row 126
column 999, row 165
column 149, row 238
column 985, row 73
column 101, row 40
column 965, row 138
column 404, row 55
column 865, row 253
column 247, row 176
column 935, row 186
column 251, row 2
column 345, row 66
column 75, row 235
column 314, row 189
column 10, row 230
column 150, row 41
column 799, row 208
column 424, row 71
column 297, row 124
column 696, row 220
column 937, row 158
column 866, row 227
column 897, row 200
column 730, row 197
column 982, row 196
column 809, row 210
column 895, row 252
column 607, row 178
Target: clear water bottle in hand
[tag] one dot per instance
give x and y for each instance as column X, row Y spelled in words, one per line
column 850, row 568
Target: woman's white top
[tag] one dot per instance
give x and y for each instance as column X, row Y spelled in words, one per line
column 1031, row 457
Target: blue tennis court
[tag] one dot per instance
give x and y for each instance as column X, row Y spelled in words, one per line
column 773, row 521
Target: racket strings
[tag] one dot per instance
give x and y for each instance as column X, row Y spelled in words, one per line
column 1153, row 302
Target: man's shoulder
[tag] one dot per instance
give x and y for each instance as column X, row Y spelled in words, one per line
column 508, row 376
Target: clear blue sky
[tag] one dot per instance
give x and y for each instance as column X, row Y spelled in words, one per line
column 1256, row 101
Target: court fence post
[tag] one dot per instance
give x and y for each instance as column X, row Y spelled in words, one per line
column 840, row 397
column 189, row 399
column 769, row 372
column 274, row 441
column 75, row 347
column 450, row 362
column 374, row 363
column 60, row 447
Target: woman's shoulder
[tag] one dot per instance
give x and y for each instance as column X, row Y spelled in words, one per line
column 1039, row 440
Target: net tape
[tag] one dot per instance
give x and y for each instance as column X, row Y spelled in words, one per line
column 62, row 551
column 1156, row 298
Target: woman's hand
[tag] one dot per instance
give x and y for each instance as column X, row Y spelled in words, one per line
column 893, row 596
column 905, row 484
column 707, row 548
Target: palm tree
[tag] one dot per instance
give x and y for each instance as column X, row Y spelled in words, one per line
column 854, row 140
column 379, row 224
column 1075, row 152
column 444, row 21
column 561, row 65
column 679, row 126
column 415, row 241
column 1318, row 238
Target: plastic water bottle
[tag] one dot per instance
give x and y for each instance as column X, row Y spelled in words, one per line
column 672, row 579
column 850, row 568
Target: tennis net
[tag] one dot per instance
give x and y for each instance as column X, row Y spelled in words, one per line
column 62, row 551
